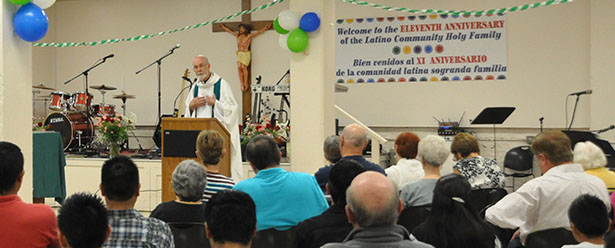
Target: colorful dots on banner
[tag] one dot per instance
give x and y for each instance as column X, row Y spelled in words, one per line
column 359, row 20
column 381, row 80
column 479, row 77
column 490, row 77
column 422, row 17
column 445, row 78
column 349, row 20
column 340, row 81
column 390, row 19
column 401, row 80
column 396, row 50
column 428, row 49
column 350, row 81
column 391, row 80
column 407, row 50
column 380, row 19
column 401, row 18
column 456, row 78
column 443, row 16
column 433, row 17
column 371, row 80
column 501, row 77
column 370, row 19
column 411, row 18
column 412, row 79
column 466, row 78
column 339, row 21
column 360, row 80
column 423, row 79
column 433, row 79
column 439, row 48
column 417, row 49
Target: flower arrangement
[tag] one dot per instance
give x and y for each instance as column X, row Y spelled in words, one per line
column 37, row 124
column 113, row 130
column 278, row 132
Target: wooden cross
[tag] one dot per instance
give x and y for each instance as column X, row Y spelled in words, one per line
column 256, row 25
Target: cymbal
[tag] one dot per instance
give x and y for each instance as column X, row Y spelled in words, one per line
column 124, row 95
column 102, row 87
column 42, row 87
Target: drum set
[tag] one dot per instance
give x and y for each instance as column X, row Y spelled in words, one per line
column 73, row 113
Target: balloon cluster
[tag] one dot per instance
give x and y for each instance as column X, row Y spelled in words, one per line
column 30, row 21
column 293, row 30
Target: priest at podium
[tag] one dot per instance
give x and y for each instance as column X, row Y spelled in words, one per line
column 211, row 97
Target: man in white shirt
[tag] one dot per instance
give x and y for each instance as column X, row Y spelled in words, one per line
column 542, row 203
column 211, row 97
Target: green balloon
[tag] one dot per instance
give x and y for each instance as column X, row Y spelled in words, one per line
column 20, row 2
column 278, row 28
column 297, row 40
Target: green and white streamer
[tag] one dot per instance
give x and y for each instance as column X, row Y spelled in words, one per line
column 147, row 36
column 460, row 12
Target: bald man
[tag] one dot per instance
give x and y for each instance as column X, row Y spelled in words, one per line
column 372, row 208
column 211, row 97
column 352, row 143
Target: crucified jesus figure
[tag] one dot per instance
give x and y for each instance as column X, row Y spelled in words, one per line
column 244, row 39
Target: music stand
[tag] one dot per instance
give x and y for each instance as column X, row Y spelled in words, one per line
column 493, row 115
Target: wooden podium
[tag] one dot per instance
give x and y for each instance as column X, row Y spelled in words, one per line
column 179, row 143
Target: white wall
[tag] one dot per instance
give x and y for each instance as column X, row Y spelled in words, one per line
column 77, row 21
column 548, row 57
column 15, row 93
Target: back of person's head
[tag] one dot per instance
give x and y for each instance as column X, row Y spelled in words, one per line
column 406, row 145
column 433, row 150
column 209, row 145
column 119, row 179
column 341, row 176
column 231, row 217
column 262, row 151
column 373, row 200
column 354, row 136
column 331, row 148
column 464, row 144
column 11, row 165
column 554, row 145
column 589, row 155
column 83, row 221
column 189, row 180
column 589, row 216
column 449, row 206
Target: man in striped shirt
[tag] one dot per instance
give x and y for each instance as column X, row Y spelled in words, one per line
column 209, row 149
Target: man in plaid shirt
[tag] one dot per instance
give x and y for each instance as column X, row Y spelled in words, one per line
column 120, row 187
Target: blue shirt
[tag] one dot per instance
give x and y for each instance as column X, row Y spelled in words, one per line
column 322, row 175
column 283, row 199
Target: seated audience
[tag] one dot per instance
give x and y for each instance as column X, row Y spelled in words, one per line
column 23, row 224
column 589, row 220
column 451, row 223
column 120, row 187
column 188, row 181
column 283, row 199
column 372, row 207
column 230, row 219
column 591, row 157
column 542, row 202
column 83, row 221
column 352, row 143
column 479, row 171
column 609, row 241
column 432, row 152
column 209, row 150
column 407, row 169
column 332, row 225
column 332, row 154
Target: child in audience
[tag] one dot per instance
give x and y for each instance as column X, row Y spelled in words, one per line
column 589, row 221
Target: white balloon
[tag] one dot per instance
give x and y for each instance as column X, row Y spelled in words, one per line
column 43, row 4
column 282, row 42
column 288, row 19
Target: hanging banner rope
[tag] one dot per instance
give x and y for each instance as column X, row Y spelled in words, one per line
column 147, row 36
column 460, row 12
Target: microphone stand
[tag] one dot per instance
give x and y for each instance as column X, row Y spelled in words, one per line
column 85, row 74
column 158, row 62
column 574, row 111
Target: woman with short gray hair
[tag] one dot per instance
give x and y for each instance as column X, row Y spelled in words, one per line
column 189, row 179
column 593, row 160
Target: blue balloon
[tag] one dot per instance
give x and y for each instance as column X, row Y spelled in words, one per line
column 31, row 22
column 309, row 22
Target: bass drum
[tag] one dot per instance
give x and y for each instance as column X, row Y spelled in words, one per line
column 69, row 126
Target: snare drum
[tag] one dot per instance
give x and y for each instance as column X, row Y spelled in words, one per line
column 80, row 102
column 59, row 101
column 103, row 110
column 75, row 128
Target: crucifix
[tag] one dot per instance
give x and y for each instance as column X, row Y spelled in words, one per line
column 243, row 57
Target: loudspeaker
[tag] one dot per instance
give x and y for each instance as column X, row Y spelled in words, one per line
column 157, row 137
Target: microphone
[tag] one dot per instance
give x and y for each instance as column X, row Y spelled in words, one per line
column 606, row 129
column 541, row 119
column 108, row 56
column 585, row 92
column 187, row 79
column 173, row 49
